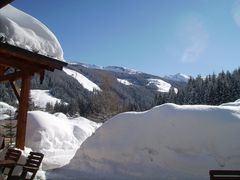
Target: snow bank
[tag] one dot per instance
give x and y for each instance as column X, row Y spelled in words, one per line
column 85, row 82
column 42, row 97
column 57, row 137
column 166, row 142
column 20, row 29
column 236, row 103
column 6, row 110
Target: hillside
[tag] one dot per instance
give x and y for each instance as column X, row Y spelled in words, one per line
column 100, row 93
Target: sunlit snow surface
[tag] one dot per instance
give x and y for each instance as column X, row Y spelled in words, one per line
column 166, row 142
column 20, row 29
column 161, row 85
column 6, row 110
column 42, row 97
column 85, row 82
column 124, row 81
column 57, row 136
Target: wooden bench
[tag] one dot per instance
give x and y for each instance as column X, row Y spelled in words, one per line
column 224, row 175
column 11, row 158
column 30, row 168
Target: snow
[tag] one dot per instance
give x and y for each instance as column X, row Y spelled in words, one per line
column 57, row 137
column 178, row 77
column 111, row 68
column 160, row 84
column 85, row 82
column 42, row 97
column 166, row 142
column 124, row 81
column 236, row 103
column 6, row 110
column 20, row 29
column 121, row 69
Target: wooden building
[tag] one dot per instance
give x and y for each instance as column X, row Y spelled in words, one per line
column 24, row 65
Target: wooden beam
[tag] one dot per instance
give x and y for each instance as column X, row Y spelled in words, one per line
column 2, row 69
column 16, row 90
column 22, row 112
column 22, row 64
column 14, row 76
column 5, row 2
column 7, row 50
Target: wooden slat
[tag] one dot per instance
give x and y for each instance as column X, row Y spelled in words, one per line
column 5, row 2
column 14, row 76
column 16, row 90
column 22, row 65
column 22, row 113
column 19, row 53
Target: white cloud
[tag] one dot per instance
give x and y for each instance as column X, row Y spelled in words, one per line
column 236, row 12
column 196, row 38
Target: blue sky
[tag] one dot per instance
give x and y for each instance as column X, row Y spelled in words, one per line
column 160, row 37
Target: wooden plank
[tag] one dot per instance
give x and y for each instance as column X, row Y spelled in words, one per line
column 22, row 64
column 16, row 52
column 5, row 2
column 14, row 76
column 22, row 113
column 16, row 90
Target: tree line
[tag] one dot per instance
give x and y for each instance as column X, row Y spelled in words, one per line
column 211, row 90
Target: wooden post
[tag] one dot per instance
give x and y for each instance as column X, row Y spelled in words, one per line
column 22, row 112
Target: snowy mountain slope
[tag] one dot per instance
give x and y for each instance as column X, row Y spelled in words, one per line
column 20, row 29
column 161, row 85
column 166, row 142
column 111, row 68
column 85, row 82
column 42, row 97
column 124, row 81
column 56, row 136
column 178, row 77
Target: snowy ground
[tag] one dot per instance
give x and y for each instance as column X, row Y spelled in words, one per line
column 57, row 136
column 85, row 82
column 42, row 97
column 166, row 142
column 125, row 82
column 6, row 110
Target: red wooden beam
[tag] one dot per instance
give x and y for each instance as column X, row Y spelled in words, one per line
column 14, row 76
column 5, row 2
column 22, row 113
column 16, row 90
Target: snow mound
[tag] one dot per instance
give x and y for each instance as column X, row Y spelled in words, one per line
column 124, row 81
column 6, row 110
column 166, row 142
column 56, row 137
column 160, row 84
column 236, row 103
column 20, row 29
column 42, row 97
column 85, row 82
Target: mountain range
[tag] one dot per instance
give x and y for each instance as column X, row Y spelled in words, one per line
column 104, row 90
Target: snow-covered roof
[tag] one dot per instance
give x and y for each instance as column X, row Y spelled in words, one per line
column 22, row 30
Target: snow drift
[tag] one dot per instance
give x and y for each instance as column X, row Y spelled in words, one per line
column 20, row 29
column 56, row 136
column 166, row 142
column 6, row 110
